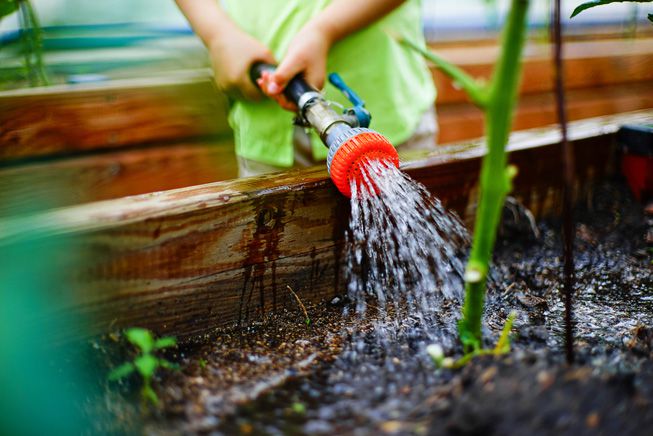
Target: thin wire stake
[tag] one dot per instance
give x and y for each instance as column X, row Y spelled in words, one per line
column 568, row 168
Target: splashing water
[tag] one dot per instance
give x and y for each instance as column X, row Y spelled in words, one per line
column 403, row 249
column 404, row 268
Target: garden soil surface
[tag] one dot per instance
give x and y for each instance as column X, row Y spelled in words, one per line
column 282, row 376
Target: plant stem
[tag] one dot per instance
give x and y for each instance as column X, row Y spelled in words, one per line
column 474, row 89
column 495, row 178
column 37, row 35
column 568, row 166
column 32, row 36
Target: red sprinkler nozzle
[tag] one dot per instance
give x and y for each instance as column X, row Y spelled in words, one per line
column 350, row 151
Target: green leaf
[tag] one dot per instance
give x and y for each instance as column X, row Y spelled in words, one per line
column 146, row 365
column 168, row 365
column 503, row 344
column 165, row 342
column 7, row 7
column 650, row 17
column 142, row 338
column 148, row 394
column 594, row 3
column 122, row 371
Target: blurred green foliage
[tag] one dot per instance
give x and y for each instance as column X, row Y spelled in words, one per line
column 43, row 386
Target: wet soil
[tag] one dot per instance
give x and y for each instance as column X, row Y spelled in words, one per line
column 332, row 377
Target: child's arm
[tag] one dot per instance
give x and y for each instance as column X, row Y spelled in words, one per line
column 232, row 51
column 308, row 50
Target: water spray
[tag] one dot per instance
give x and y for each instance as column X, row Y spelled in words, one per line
column 352, row 145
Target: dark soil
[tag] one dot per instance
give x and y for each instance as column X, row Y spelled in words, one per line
column 284, row 377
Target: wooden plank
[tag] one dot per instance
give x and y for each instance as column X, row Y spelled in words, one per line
column 609, row 32
column 136, row 171
column 463, row 120
column 590, row 64
column 74, row 118
column 189, row 260
column 116, row 174
column 123, row 113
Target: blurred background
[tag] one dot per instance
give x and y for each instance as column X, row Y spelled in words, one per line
column 127, row 38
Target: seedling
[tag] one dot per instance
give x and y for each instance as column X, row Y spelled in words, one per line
column 497, row 99
column 502, row 347
column 145, row 363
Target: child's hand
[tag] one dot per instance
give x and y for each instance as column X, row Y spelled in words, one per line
column 307, row 54
column 265, row 82
column 232, row 58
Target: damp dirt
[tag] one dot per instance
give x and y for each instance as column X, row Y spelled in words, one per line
column 282, row 376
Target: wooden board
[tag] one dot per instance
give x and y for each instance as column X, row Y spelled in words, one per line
column 69, row 119
column 126, row 113
column 592, row 64
column 462, row 121
column 115, row 174
column 189, row 260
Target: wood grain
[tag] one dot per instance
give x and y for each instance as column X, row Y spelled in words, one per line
column 103, row 176
column 75, row 118
column 462, row 121
column 126, row 113
column 592, row 64
column 189, row 260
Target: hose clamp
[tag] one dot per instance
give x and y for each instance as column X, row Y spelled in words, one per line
column 306, row 98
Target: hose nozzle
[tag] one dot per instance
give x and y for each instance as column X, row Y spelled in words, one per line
column 350, row 150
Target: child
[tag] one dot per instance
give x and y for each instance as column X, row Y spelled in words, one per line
column 311, row 37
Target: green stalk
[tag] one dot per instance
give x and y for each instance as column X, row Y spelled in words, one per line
column 496, row 178
column 474, row 89
column 37, row 35
column 32, row 36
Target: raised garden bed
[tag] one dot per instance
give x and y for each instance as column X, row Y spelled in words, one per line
column 280, row 376
column 182, row 261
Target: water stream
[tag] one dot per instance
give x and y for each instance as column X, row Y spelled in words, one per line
column 404, row 252
column 404, row 266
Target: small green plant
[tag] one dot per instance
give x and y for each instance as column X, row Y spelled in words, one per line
column 502, row 347
column 299, row 408
column 497, row 99
column 594, row 3
column 146, row 363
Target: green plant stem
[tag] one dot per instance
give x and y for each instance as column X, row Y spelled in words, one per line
column 37, row 35
column 495, row 178
column 476, row 91
column 32, row 36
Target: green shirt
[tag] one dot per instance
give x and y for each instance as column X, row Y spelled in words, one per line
column 393, row 80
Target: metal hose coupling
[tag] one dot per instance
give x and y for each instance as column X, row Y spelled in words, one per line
column 350, row 149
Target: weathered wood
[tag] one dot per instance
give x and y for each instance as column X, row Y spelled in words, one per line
column 590, row 64
column 461, row 121
column 189, row 260
column 73, row 118
column 95, row 177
